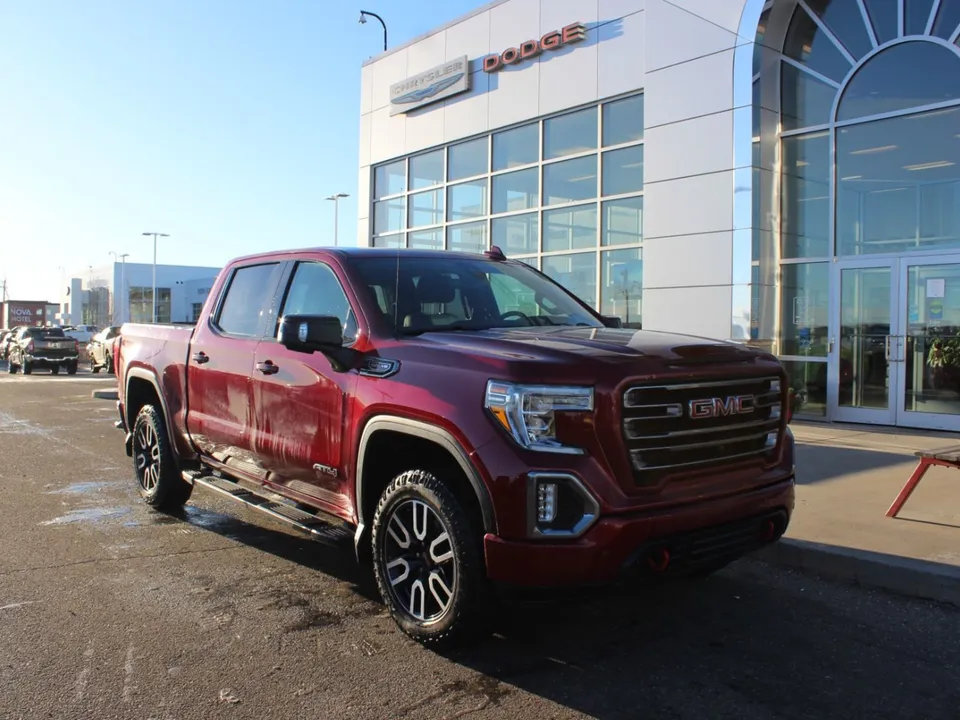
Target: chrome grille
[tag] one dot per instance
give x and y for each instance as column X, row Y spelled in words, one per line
column 680, row 427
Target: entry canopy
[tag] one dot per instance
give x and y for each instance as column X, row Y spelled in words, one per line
column 910, row 74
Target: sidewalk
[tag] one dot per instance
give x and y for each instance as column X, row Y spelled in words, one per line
column 847, row 477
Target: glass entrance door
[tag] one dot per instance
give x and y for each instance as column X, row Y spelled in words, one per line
column 927, row 356
column 865, row 331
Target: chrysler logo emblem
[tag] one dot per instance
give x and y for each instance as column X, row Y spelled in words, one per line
column 721, row 407
column 429, row 91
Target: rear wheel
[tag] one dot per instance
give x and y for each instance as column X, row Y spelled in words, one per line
column 427, row 560
column 108, row 363
column 71, row 368
column 158, row 478
column 94, row 368
column 26, row 368
column 55, row 369
column 11, row 368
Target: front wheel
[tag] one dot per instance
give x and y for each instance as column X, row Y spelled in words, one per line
column 427, row 560
column 158, row 478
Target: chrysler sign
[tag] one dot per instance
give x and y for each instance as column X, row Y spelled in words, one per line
column 438, row 83
column 531, row 48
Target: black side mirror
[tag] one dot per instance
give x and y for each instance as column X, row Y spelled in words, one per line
column 316, row 333
column 612, row 321
column 310, row 333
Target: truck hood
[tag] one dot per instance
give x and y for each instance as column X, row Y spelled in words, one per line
column 604, row 345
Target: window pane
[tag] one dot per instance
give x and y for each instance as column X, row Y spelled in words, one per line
column 468, row 159
column 315, row 290
column 805, row 203
column 467, row 200
column 426, row 208
column 577, row 273
column 898, row 184
column 623, row 221
column 623, row 171
column 570, row 181
column 390, row 179
column 807, row 44
column 570, row 228
column 471, row 237
column 806, row 100
column 247, row 300
column 426, row 170
column 915, row 15
column 623, row 121
column 426, row 239
column 516, row 191
column 883, row 13
column 569, row 134
column 389, row 215
column 517, row 234
column 846, row 23
column 621, row 286
column 803, row 321
column 809, row 382
column 390, row 241
column 902, row 76
column 520, row 146
column 948, row 18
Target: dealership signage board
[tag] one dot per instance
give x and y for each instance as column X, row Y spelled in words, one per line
column 555, row 40
column 24, row 314
column 439, row 83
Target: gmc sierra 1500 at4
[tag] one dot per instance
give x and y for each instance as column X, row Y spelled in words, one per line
column 463, row 421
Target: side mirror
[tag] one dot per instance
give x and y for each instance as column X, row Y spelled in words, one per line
column 612, row 321
column 310, row 333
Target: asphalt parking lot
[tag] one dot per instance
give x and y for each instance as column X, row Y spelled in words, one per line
column 109, row 610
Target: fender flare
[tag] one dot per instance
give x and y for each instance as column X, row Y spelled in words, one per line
column 434, row 434
column 150, row 377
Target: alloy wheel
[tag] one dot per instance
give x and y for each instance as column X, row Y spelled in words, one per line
column 147, row 457
column 419, row 561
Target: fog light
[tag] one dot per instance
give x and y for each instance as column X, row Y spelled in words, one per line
column 546, row 502
column 771, row 441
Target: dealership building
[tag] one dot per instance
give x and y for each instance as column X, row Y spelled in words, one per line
column 123, row 292
column 783, row 173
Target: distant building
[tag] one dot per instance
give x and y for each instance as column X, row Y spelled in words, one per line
column 27, row 312
column 123, row 292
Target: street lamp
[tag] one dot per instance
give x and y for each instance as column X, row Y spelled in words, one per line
column 363, row 21
column 336, row 215
column 155, row 236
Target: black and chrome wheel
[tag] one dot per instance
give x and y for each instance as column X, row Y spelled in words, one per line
column 427, row 560
column 158, row 478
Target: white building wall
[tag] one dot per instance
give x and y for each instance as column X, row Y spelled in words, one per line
column 681, row 53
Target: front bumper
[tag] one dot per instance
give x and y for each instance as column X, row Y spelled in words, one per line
column 675, row 539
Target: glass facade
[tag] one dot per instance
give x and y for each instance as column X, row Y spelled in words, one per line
column 563, row 193
column 869, row 168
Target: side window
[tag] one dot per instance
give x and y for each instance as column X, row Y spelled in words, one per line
column 315, row 290
column 248, row 300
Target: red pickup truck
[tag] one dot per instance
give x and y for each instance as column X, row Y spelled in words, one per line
column 462, row 420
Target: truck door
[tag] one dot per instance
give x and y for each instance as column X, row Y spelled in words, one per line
column 220, row 365
column 300, row 402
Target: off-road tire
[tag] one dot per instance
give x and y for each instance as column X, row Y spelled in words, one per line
column 466, row 615
column 163, row 488
column 71, row 368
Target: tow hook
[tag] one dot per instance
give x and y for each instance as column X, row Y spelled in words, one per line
column 659, row 559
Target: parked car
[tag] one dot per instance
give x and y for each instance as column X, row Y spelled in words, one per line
column 462, row 421
column 38, row 347
column 6, row 339
column 82, row 333
column 100, row 349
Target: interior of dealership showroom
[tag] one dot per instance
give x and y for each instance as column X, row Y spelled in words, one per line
column 844, row 187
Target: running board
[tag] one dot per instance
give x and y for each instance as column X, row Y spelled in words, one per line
column 330, row 531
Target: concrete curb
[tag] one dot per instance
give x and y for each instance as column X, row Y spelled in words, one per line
column 105, row 395
column 904, row 576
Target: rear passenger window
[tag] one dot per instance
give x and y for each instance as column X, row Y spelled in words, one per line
column 315, row 290
column 248, row 300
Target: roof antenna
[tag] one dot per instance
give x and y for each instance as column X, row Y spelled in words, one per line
column 495, row 253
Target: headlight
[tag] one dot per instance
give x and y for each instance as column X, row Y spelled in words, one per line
column 528, row 412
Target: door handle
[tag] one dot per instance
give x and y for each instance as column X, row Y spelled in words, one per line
column 886, row 347
column 201, row 358
column 267, row 368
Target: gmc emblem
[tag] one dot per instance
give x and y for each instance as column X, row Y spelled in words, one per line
column 721, row 407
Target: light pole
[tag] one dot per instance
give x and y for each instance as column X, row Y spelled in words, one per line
column 154, row 292
column 121, row 294
column 336, row 215
column 363, row 21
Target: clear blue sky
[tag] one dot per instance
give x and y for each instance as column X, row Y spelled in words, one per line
column 222, row 122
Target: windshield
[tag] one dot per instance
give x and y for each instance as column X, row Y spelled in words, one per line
column 437, row 294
